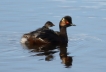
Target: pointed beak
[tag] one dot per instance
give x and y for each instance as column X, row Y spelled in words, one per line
column 53, row 25
column 72, row 24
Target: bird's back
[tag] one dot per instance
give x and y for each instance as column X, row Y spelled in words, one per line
column 49, row 36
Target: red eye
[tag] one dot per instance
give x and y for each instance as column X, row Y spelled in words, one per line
column 67, row 22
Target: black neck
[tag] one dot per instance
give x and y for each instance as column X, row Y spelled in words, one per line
column 63, row 33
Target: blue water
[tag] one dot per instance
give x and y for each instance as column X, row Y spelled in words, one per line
column 86, row 40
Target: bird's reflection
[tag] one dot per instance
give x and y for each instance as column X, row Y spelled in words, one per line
column 48, row 50
column 67, row 60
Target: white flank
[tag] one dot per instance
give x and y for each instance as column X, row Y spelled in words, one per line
column 23, row 40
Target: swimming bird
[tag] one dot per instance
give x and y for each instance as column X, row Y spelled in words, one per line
column 35, row 33
column 48, row 36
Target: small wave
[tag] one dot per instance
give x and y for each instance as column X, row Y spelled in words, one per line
column 10, row 38
column 79, row 37
column 92, row 17
column 104, row 18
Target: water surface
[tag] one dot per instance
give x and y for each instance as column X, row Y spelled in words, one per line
column 86, row 41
